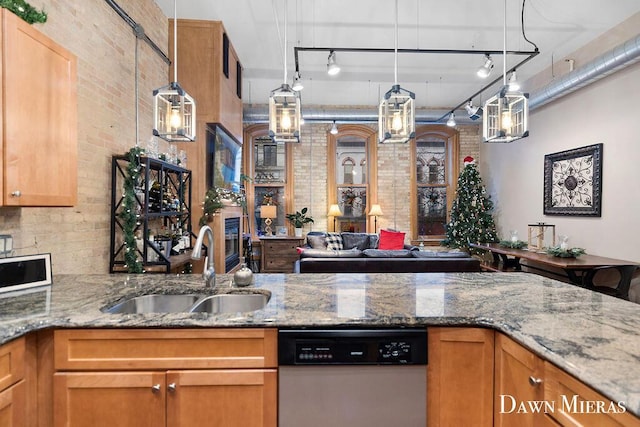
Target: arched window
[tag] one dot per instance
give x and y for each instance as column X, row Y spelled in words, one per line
column 434, row 178
column 269, row 167
column 348, row 170
column 353, row 145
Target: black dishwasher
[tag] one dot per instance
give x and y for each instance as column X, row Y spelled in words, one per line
column 352, row 377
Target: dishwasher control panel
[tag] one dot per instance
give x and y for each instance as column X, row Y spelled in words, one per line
column 352, row 347
column 395, row 351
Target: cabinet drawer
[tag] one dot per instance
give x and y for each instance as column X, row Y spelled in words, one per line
column 11, row 363
column 108, row 349
column 279, row 264
column 573, row 405
column 284, row 247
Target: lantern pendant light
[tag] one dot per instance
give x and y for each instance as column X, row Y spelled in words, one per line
column 174, row 111
column 284, row 105
column 396, row 115
column 506, row 114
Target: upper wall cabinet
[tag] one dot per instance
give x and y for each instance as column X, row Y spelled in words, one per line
column 39, row 143
column 210, row 71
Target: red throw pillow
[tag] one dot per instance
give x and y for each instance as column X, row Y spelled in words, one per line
column 391, row 240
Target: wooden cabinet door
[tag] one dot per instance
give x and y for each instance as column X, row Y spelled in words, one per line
column 12, row 365
column 460, row 377
column 577, row 404
column 107, row 399
column 222, row 398
column 519, row 387
column 13, row 406
column 39, row 118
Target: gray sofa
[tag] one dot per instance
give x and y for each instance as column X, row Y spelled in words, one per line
column 360, row 254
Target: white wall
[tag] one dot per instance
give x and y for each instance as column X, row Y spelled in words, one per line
column 606, row 112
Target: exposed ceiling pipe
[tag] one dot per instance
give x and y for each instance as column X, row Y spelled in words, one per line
column 258, row 113
column 138, row 30
column 622, row 56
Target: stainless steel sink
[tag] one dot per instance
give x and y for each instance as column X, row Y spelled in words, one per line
column 155, row 303
column 230, row 303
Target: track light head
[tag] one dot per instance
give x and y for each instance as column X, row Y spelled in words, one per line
column 332, row 66
column 474, row 112
column 334, row 129
column 486, row 68
column 452, row 120
column 297, row 82
column 513, row 85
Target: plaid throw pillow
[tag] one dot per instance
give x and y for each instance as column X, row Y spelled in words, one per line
column 334, row 241
column 317, row 242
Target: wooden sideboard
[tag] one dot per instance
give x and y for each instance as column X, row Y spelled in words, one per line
column 279, row 254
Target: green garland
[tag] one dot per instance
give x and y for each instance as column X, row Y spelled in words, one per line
column 213, row 202
column 565, row 253
column 24, row 10
column 518, row 244
column 128, row 212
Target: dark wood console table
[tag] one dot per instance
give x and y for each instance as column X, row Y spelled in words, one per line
column 580, row 270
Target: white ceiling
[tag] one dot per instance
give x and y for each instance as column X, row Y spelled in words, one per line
column 557, row 27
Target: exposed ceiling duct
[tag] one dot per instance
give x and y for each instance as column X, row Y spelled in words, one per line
column 257, row 113
column 622, row 56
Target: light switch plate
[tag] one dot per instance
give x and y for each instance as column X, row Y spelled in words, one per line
column 6, row 245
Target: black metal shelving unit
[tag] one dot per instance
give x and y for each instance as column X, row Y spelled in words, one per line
column 156, row 211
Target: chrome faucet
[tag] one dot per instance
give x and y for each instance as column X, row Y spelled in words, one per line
column 209, row 272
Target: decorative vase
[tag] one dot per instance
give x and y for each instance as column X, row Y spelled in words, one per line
column 298, row 232
column 243, row 276
column 564, row 242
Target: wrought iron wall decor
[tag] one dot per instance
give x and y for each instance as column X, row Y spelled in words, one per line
column 573, row 182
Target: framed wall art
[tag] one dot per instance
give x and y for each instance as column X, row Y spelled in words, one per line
column 573, row 182
column 224, row 158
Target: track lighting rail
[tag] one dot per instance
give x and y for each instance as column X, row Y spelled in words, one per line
column 528, row 56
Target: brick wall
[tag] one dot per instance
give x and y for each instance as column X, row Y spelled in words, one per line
column 310, row 174
column 470, row 139
column 78, row 237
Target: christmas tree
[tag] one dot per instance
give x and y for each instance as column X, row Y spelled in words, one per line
column 471, row 220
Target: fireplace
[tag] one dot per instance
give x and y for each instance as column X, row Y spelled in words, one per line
column 231, row 243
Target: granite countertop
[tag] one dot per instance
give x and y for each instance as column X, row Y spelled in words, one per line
column 590, row 335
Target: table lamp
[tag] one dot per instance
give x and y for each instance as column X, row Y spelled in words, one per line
column 268, row 212
column 334, row 211
column 375, row 212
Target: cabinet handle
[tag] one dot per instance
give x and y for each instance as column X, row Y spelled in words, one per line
column 155, row 388
column 535, row 381
column 172, row 387
column 16, row 193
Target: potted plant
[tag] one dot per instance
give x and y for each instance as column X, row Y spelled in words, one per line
column 299, row 219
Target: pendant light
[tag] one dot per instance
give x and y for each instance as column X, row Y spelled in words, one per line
column 396, row 115
column 174, row 111
column 506, row 114
column 284, row 105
